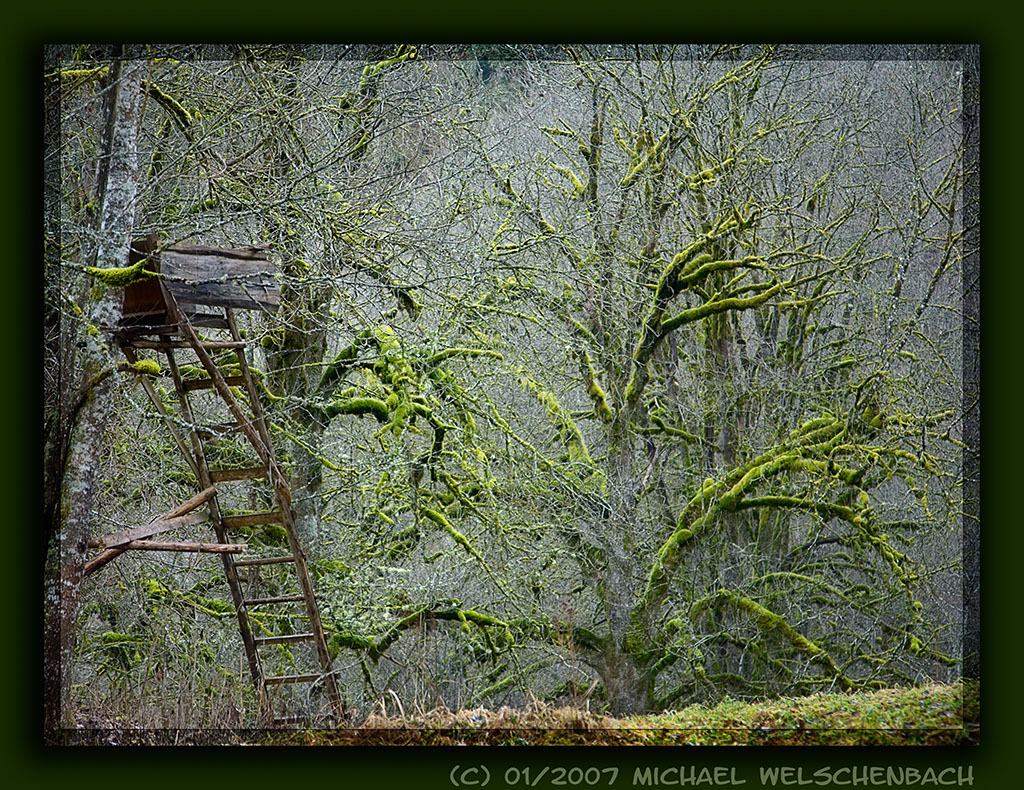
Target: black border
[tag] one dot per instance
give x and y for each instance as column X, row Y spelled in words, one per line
column 402, row 766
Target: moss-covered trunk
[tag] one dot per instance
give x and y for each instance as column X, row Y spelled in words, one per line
column 627, row 683
column 72, row 522
column 294, row 368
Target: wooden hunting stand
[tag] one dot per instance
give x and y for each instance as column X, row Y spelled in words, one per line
column 200, row 287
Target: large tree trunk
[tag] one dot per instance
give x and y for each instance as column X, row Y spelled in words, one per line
column 71, row 523
column 306, row 477
column 294, row 369
column 627, row 685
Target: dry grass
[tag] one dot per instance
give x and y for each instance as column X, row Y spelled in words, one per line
column 940, row 715
column 928, row 715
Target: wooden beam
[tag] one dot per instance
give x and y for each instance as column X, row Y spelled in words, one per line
column 153, row 545
column 189, row 505
column 168, row 521
column 153, row 528
column 162, row 345
column 284, row 639
column 228, row 475
column 209, row 276
column 205, row 384
column 252, row 519
column 183, row 509
column 199, row 548
column 275, row 680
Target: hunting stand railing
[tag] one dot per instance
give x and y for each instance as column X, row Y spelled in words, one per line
column 200, row 287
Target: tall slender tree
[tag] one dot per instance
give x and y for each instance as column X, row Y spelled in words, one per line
column 70, row 523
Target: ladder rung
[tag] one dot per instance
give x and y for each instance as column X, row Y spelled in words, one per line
column 265, row 561
column 219, row 428
column 252, row 519
column 278, row 599
column 205, row 320
column 280, row 640
column 205, row 384
column 275, row 680
column 211, row 344
column 227, row 475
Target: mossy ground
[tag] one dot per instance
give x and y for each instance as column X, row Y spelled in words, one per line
column 935, row 715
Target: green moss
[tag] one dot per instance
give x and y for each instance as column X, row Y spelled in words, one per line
column 170, row 104
column 148, row 367
column 154, row 589
column 332, row 566
column 85, row 75
column 770, row 621
column 577, row 185
column 601, row 408
column 457, row 536
column 273, row 535
column 340, row 639
column 399, row 420
column 121, row 277
column 360, row 406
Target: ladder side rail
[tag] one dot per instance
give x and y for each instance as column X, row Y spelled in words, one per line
column 255, row 668
column 259, row 419
column 284, row 500
column 218, row 379
column 313, row 611
column 167, row 417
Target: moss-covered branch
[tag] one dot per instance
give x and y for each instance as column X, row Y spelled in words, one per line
column 442, row 521
column 345, row 360
column 770, row 622
column 595, row 392
column 375, row 648
column 660, row 426
column 80, row 75
column 568, row 430
column 816, row 436
column 685, row 271
column 173, row 106
column 359, row 406
column 465, row 353
column 719, row 306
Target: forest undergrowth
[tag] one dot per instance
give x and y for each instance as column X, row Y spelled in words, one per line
column 930, row 715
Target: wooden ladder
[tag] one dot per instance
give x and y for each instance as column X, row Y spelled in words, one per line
column 251, row 600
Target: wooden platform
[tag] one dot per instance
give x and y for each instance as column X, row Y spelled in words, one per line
column 157, row 324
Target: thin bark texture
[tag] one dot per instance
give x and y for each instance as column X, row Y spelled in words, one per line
column 69, row 536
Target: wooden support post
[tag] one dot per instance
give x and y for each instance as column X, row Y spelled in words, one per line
column 198, row 548
column 119, row 539
column 175, row 518
column 147, row 385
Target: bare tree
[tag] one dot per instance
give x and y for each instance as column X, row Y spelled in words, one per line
column 708, row 242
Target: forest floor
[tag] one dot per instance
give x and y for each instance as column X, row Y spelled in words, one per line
column 933, row 715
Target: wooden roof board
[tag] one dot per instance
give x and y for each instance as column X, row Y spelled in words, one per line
column 240, row 277
column 212, row 277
